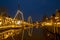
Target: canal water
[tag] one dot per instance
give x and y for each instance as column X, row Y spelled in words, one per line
column 37, row 34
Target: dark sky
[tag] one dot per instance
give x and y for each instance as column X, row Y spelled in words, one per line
column 34, row 8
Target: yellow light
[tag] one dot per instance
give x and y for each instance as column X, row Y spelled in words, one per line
column 24, row 22
column 56, row 17
column 43, row 23
column 18, row 22
column 0, row 19
column 6, row 36
column 13, row 25
column 58, row 23
column 0, row 23
column 49, row 24
column 54, row 23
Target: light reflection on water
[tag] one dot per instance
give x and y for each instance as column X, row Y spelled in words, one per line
column 37, row 34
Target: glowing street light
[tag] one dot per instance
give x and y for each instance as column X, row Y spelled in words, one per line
column 18, row 22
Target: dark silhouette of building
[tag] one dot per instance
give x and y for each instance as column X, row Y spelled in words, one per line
column 4, row 12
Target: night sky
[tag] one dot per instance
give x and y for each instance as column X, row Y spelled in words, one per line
column 34, row 8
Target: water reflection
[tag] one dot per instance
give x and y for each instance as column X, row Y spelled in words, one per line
column 37, row 34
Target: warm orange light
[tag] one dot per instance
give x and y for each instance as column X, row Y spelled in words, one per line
column 18, row 22
column 58, row 22
column 56, row 17
column 0, row 23
column 48, row 24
